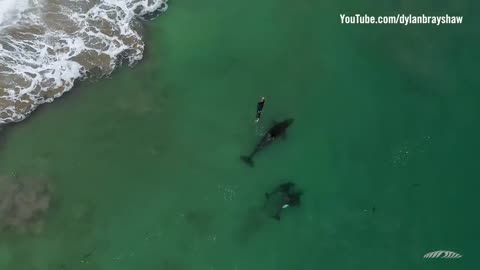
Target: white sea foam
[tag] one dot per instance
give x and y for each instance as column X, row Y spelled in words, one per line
column 46, row 46
column 10, row 10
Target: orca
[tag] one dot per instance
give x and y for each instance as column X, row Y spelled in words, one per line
column 283, row 196
column 278, row 129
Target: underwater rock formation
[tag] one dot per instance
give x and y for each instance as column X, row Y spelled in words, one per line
column 23, row 204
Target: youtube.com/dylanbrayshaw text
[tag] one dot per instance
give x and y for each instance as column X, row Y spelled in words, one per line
column 402, row 19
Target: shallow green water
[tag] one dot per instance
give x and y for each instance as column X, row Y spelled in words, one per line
column 146, row 165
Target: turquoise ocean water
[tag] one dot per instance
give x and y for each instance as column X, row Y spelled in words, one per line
column 146, row 164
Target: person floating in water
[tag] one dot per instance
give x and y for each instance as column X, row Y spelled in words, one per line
column 260, row 109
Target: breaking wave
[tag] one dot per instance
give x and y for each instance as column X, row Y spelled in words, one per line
column 45, row 45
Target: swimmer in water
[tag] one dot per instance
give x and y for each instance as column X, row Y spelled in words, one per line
column 260, row 109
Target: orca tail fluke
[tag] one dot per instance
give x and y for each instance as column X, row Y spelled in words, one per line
column 248, row 160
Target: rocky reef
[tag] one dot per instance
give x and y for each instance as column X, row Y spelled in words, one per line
column 24, row 203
